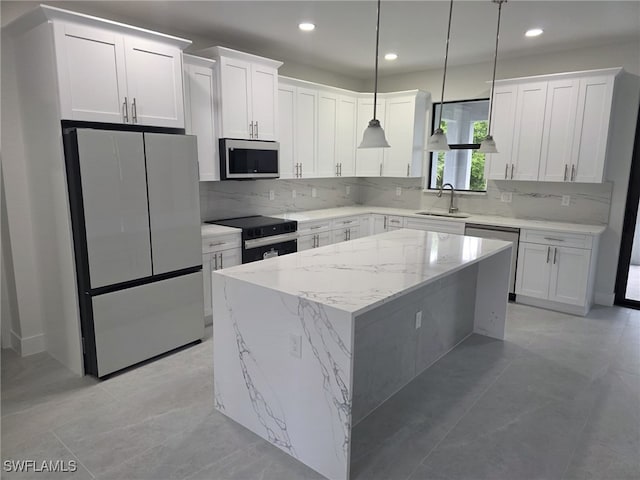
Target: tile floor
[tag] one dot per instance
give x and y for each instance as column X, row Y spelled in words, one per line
column 559, row 399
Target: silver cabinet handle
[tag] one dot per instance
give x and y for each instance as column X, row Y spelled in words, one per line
column 340, row 168
column 565, row 171
column 215, row 261
column 555, row 255
column 251, row 130
column 385, row 222
column 134, row 111
column 573, row 173
column 394, row 221
column 301, row 170
column 316, row 227
column 349, row 233
column 553, row 239
column 548, row 253
column 257, row 131
column 125, row 111
column 221, row 265
column 380, row 169
column 512, row 171
column 408, row 167
column 216, row 244
column 506, row 170
column 337, row 170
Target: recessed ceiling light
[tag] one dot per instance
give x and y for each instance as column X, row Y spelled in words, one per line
column 391, row 56
column 306, row 26
column 533, row 32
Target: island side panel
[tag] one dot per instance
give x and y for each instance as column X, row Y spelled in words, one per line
column 302, row 404
column 390, row 350
column 492, row 295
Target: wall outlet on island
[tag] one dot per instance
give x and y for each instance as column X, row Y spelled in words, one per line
column 506, row 197
column 272, row 195
column 295, row 345
column 566, row 200
column 314, row 192
column 398, row 191
column 418, row 319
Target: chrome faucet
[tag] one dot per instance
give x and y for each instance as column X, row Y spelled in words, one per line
column 452, row 209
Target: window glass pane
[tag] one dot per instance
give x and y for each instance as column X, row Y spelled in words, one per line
column 465, row 124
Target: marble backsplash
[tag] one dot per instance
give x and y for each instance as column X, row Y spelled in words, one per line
column 589, row 203
column 251, row 197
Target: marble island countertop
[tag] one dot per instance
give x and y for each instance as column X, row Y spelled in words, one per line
column 329, row 213
column 362, row 274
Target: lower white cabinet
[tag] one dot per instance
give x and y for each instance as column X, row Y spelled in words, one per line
column 385, row 223
column 346, row 233
column 215, row 261
column 314, row 240
column 556, row 273
column 442, row 226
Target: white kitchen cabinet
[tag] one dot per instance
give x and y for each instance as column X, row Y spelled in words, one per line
column 218, row 251
column 345, row 234
column 105, row 75
column 385, row 223
column 368, row 160
column 200, row 114
column 569, row 275
column 306, row 129
column 534, row 270
column 247, row 94
column 327, row 137
column 527, row 137
column 346, row 135
column 287, row 115
column 315, row 240
column 498, row 164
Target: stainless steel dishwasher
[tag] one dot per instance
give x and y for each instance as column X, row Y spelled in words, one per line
column 507, row 234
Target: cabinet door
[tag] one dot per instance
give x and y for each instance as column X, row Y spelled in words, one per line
column 498, row 164
column 368, row 160
column 154, row 83
column 339, row 235
column 327, row 134
column 399, row 128
column 569, row 274
column 229, row 258
column 394, row 222
column 592, row 128
column 287, row 114
column 91, row 73
column 559, row 125
column 306, row 128
column 235, row 90
column 379, row 224
column 200, row 118
column 207, row 268
column 346, row 135
column 264, row 105
column 306, row 242
column 324, row 238
column 534, row 269
column 527, row 139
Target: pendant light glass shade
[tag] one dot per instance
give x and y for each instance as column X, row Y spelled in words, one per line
column 373, row 136
column 438, row 141
column 488, row 145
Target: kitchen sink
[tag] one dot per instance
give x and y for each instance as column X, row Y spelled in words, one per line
column 453, row 215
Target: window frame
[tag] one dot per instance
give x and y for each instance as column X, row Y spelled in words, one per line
column 455, row 146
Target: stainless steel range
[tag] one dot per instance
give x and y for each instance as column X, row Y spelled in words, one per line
column 264, row 237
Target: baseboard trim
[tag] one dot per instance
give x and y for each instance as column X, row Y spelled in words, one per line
column 29, row 345
column 605, row 299
column 549, row 305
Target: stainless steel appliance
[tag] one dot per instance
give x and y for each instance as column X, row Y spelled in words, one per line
column 264, row 237
column 508, row 234
column 248, row 159
column 135, row 213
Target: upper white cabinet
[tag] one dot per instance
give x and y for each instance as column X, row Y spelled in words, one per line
column 200, row 119
column 346, row 135
column 247, row 94
column 109, row 72
column 287, row 130
column 552, row 127
column 369, row 160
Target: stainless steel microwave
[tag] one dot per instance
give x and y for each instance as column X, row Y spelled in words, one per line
column 244, row 159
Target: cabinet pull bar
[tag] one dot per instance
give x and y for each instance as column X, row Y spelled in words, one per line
column 385, row 222
column 316, row 227
column 257, row 131
column 506, row 170
column 134, row 111
column 408, row 167
column 573, row 173
column 380, row 169
column 216, row 244
column 221, row 266
column 301, row 170
column 251, row 130
column 215, row 262
column 125, row 111
column 512, row 171
column 340, row 168
column 548, row 253
column 555, row 255
column 565, row 171
column 552, row 239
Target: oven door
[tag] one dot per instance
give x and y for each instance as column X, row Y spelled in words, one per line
column 261, row 249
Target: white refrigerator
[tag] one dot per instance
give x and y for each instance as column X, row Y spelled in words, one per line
column 135, row 211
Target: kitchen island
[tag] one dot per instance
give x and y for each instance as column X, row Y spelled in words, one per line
column 307, row 345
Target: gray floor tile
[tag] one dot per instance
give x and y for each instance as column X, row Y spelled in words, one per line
column 596, row 461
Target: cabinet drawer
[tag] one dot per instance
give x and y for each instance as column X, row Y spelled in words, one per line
column 310, row 228
column 435, row 225
column 221, row 242
column 578, row 240
column 394, row 221
column 346, row 222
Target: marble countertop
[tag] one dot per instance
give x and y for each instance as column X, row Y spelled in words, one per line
column 364, row 273
column 209, row 230
column 472, row 218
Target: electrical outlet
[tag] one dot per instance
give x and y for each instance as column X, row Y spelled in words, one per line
column 293, row 194
column 418, row 319
column 295, row 345
column 506, row 197
column 314, row 192
column 348, row 190
column 566, row 200
column 398, row 191
column 272, row 195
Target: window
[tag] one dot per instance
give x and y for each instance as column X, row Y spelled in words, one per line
column 465, row 123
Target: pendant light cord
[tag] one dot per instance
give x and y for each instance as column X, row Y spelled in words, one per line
column 495, row 62
column 375, row 87
column 446, row 57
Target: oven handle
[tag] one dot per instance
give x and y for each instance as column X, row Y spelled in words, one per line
column 261, row 242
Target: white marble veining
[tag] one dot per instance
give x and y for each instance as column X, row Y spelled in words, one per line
column 208, row 230
column 472, row 218
column 359, row 275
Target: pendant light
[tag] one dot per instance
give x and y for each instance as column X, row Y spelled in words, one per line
column 438, row 141
column 488, row 145
column 373, row 136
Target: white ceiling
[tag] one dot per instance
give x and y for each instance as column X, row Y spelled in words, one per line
column 344, row 39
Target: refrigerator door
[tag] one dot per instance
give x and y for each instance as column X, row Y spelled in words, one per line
column 138, row 323
column 116, row 215
column 174, row 201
